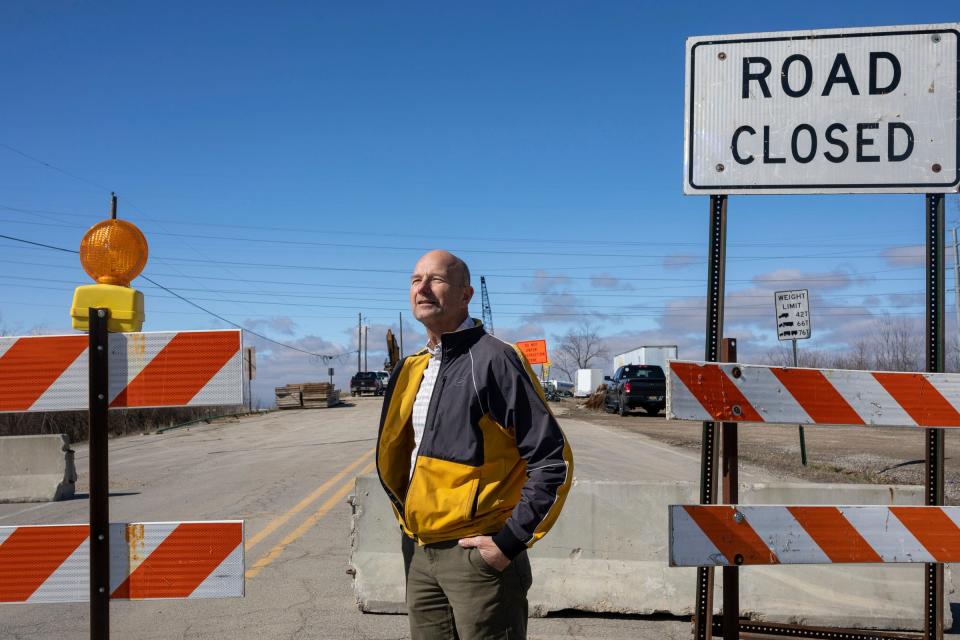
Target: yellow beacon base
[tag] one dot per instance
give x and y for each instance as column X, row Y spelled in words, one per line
column 125, row 304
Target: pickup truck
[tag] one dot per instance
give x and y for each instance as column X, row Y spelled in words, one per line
column 636, row 385
column 366, row 382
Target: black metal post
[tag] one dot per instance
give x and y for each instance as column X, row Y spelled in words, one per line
column 933, row 584
column 99, row 487
column 731, row 495
column 803, row 442
column 716, row 267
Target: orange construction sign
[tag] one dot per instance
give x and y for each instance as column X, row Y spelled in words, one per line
column 535, row 351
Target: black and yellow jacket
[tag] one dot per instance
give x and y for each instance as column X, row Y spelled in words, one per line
column 492, row 459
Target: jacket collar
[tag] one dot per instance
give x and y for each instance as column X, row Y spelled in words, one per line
column 459, row 341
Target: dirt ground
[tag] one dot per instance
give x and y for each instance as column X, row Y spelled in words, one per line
column 876, row 455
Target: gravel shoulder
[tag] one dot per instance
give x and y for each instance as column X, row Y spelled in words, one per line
column 869, row 455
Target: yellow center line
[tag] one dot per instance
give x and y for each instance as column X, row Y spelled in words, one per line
column 279, row 521
column 331, row 502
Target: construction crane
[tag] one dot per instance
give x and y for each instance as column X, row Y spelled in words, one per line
column 487, row 312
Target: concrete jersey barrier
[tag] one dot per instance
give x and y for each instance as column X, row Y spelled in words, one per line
column 607, row 553
column 36, row 468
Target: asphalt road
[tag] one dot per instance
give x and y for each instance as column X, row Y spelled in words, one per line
column 288, row 475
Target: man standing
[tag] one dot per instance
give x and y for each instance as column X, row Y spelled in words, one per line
column 475, row 465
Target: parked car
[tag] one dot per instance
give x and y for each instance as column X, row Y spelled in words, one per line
column 366, row 382
column 636, row 385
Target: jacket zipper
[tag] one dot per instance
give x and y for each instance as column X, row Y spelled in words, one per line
column 432, row 415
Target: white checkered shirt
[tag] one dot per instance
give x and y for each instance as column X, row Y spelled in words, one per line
column 422, row 404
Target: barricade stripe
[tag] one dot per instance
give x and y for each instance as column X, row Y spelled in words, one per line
column 834, row 534
column 175, row 568
column 715, row 391
column 765, row 392
column 919, row 398
column 886, row 535
column 732, row 538
column 31, row 554
column 31, row 365
column 152, row 387
column 779, row 530
column 688, row 543
column 937, row 533
column 70, row 582
column 822, row 402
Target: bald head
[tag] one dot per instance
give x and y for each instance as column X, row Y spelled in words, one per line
column 455, row 267
column 440, row 292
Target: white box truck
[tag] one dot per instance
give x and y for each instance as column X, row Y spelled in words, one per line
column 648, row 354
column 587, row 382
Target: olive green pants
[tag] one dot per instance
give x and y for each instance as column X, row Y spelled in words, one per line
column 452, row 594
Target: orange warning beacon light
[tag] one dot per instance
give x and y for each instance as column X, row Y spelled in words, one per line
column 113, row 252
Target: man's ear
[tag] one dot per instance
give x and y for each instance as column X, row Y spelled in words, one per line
column 467, row 294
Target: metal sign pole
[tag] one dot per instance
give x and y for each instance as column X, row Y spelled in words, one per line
column 99, row 391
column 703, row 619
column 933, row 584
column 731, row 495
column 803, row 443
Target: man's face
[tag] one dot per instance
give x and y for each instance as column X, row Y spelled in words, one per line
column 438, row 294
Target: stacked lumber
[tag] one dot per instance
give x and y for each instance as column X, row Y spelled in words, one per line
column 319, row 395
column 307, row 395
column 288, row 397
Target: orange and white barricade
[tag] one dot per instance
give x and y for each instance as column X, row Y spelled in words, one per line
column 162, row 369
column 754, row 393
column 150, row 560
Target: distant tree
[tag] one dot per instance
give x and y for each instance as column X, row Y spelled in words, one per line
column 580, row 346
column 889, row 344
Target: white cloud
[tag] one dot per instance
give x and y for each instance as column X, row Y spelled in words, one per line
column 680, row 261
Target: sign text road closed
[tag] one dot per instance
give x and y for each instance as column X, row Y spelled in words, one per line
column 832, row 111
column 793, row 314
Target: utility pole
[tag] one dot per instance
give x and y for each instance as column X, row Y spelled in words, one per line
column 401, row 335
column 359, row 339
column 366, row 342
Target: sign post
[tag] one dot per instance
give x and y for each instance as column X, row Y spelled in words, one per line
column 99, row 391
column 861, row 110
column 792, row 309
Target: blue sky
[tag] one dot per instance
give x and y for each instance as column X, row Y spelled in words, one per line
column 289, row 162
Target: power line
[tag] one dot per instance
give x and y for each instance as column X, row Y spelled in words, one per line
column 840, row 277
column 544, row 299
column 323, row 356
column 468, row 250
column 55, row 168
column 578, row 293
column 537, row 240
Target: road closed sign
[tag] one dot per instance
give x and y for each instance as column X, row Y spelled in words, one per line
column 865, row 110
column 793, row 314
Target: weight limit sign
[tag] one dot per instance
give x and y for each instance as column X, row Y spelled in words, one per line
column 793, row 314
